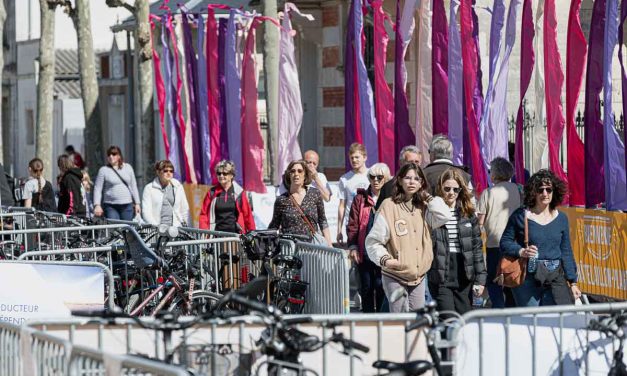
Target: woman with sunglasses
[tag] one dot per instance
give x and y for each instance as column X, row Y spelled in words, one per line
column 115, row 191
column 458, row 268
column 164, row 201
column 360, row 219
column 226, row 206
column 551, row 270
column 300, row 210
column 400, row 239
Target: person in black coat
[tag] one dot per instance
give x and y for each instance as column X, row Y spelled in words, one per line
column 458, row 268
column 71, row 191
column 409, row 154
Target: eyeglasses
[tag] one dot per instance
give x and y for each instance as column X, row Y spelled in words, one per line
column 448, row 189
column 222, row 173
column 548, row 190
column 296, row 171
column 167, row 171
column 376, row 177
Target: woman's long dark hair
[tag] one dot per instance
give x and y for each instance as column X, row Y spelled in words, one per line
column 398, row 195
column 545, row 177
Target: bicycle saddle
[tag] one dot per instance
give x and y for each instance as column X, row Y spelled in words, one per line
column 416, row 367
column 141, row 254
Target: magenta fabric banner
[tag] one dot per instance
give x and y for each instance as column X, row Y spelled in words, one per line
column 224, row 134
column 179, row 105
column 527, row 59
column 233, row 86
column 593, row 142
column 252, row 146
column 352, row 121
column 403, row 134
column 576, row 51
column 455, row 87
column 439, row 63
column 614, row 156
column 160, row 86
column 470, row 62
column 384, row 102
column 478, row 93
column 174, row 154
column 192, row 75
column 211, row 50
column 554, row 81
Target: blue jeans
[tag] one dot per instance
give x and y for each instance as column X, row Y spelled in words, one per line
column 114, row 211
column 530, row 294
column 493, row 257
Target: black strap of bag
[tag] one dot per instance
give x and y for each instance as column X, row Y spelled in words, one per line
column 125, row 183
column 302, row 213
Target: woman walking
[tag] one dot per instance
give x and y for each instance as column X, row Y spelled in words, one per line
column 540, row 233
column 400, row 239
column 115, row 191
column 71, row 192
column 458, row 263
column 164, row 201
column 38, row 192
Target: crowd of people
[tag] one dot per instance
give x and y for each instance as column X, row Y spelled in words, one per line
column 417, row 232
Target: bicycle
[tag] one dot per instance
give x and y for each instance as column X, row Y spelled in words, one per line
column 614, row 327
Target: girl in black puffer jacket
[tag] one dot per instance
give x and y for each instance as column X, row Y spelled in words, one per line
column 458, row 268
column 71, row 191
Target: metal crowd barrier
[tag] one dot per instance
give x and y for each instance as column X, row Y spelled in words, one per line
column 326, row 270
column 534, row 341
column 28, row 352
column 384, row 334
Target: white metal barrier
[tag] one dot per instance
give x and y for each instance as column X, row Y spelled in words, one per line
column 549, row 340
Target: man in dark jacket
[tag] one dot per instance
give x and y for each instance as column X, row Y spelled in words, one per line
column 6, row 193
column 409, row 154
column 441, row 156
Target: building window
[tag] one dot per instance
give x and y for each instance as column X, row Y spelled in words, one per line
column 30, row 127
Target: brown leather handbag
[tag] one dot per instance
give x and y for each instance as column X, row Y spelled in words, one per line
column 511, row 271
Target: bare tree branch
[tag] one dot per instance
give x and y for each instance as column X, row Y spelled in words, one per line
column 121, row 3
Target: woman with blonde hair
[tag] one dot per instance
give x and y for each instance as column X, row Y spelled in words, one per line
column 458, row 263
column 38, row 192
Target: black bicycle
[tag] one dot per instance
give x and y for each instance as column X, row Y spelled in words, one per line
column 614, row 327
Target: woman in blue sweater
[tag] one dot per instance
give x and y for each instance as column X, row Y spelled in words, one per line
column 551, row 271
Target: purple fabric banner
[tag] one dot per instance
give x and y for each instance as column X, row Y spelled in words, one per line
column 486, row 126
column 224, row 135
column 175, row 148
column 351, row 113
column 403, row 135
column 192, row 83
column 202, row 104
column 477, row 99
column 455, row 87
column 233, row 95
column 439, row 65
column 623, row 16
column 527, row 58
column 593, row 142
column 614, row 156
column 366, row 98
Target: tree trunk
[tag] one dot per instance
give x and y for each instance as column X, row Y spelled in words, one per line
column 45, row 87
column 94, row 152
column 3, row 17
column 271, row 68
column 143, row 52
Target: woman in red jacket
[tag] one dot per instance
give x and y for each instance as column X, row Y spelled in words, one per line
column 226, row 206
column 359, row 223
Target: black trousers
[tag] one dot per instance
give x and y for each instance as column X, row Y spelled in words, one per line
column 454, row 295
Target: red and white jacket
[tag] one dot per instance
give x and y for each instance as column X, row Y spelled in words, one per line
column 207, row 218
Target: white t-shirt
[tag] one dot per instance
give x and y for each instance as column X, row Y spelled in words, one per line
column 350, row 182
column 498, row 203
column 313, row 184
column 31, row 187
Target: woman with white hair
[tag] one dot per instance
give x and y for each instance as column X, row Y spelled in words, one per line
column 359, row 223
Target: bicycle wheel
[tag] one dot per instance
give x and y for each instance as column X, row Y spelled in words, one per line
column 203, row 301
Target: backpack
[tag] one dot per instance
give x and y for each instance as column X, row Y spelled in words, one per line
column 44, row 199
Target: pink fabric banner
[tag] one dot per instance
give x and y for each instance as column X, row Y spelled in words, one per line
column 213, row 94
column 470, row 62
column 576, row 52
column 179, row 106
column 554, row 81
column 252, row 147
column 160, row 88
column 439, row 65
column 384, row 102
column 527, row 59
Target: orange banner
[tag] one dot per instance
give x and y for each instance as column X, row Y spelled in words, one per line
column 599, row 241
column 195, row 195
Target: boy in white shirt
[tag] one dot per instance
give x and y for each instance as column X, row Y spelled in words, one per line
column 350, row 182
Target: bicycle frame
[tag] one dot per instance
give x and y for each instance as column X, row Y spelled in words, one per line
column 169, row 295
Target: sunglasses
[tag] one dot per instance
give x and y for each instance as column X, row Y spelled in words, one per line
column 110, row 154
column 548, row 190
column 167, row 171
column 376, row 177
column 296, row 171
column 448, row 189
column 222, row 173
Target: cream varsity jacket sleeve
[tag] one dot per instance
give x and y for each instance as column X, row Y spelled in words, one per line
column 437, row 213
column 377, row 239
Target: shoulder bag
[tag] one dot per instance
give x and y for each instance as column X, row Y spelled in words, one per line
column 511, row 271
column 316, row 237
